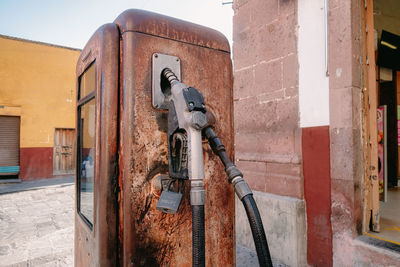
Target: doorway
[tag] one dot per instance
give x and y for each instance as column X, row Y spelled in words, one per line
column 64, row 151
column 9, row 146
column 384, row 199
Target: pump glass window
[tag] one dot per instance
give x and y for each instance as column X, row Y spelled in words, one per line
column 87, row 82
column 86, row 147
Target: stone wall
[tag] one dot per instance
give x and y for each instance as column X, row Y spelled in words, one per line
column 345, row 42
column 267, row 133
column 268, row 139
column 266, row 119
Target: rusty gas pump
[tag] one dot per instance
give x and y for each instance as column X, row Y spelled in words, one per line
column 143, row 158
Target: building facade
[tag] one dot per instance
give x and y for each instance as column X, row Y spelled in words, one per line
column 306, row 72
column 37, row 108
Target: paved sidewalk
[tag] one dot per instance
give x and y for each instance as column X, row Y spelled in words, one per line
column 6, row 188
column 36, row 223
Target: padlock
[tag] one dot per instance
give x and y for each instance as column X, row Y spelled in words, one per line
column 169, row 202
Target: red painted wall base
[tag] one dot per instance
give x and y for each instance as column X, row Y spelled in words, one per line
column 36, row 162
column 317, row 193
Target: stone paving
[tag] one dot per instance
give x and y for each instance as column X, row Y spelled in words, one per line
column 36, row 225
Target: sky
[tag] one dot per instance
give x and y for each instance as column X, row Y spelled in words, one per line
column 71, row 22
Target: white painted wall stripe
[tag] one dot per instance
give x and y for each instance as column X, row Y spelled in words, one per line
column 313, row 82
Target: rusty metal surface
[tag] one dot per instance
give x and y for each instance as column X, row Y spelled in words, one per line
column 98, row 246
column 149, row 237
column 134, row 20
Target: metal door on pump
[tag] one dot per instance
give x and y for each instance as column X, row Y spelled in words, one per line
column 96, row 238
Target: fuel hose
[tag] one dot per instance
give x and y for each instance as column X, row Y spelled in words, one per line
column 243, row 191
column 198, row 236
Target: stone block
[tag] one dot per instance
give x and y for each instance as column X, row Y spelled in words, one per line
column 287, row 7
column 284, row 224
column 244, row 45
column 254, row 173
column 290, row 71
column 243, row 83
column 268, row 146
column 263, row 12
column 277, row 39
column 260, row 37
column 341, row 107
column 287, row 113
column 342, row 162
column 270, row 116
column 342, row 195
column 284, row 169
column 340, row 48
column 268, row 77
column 250, row 116
column 275, row 178
column 241, row 21
column 284, row 185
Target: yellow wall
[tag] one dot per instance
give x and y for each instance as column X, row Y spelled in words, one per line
column 37, row 81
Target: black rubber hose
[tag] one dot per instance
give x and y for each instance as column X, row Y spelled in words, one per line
column 217, row 147
column 198, row 236
column 257, row 229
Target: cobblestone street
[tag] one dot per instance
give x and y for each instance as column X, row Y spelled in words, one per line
column 36, row 224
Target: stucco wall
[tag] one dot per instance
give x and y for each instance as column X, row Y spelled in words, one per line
column 37, row 82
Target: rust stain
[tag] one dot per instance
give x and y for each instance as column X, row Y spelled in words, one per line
column 141, row 21
column 156, row 237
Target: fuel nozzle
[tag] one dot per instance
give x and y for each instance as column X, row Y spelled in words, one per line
column 187, row 117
